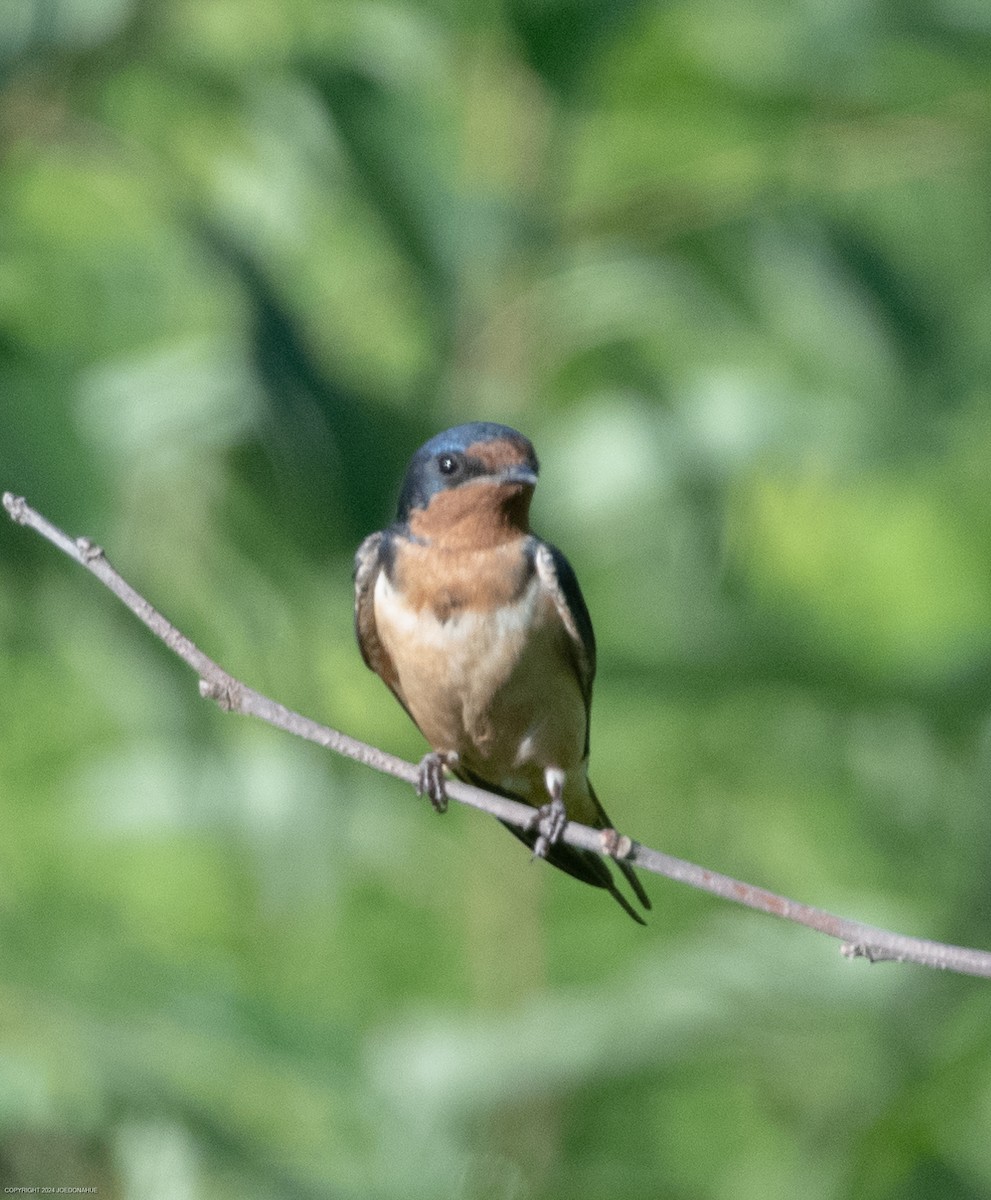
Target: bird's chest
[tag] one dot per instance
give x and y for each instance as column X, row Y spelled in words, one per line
column 480, row 679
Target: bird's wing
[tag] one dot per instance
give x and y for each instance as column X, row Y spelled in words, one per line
column 559, row 580
column 367, row 564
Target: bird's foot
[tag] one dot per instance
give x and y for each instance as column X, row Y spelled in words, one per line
column 430, row 780
column 551, row 820
column 551, row 817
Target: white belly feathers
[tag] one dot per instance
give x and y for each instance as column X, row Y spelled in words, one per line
column 495, row 687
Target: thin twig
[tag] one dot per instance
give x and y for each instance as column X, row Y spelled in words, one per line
column 859, row 941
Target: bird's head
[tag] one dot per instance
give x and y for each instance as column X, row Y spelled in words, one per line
column 480, row 475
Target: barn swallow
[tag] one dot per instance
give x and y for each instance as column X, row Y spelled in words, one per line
column 481, row 632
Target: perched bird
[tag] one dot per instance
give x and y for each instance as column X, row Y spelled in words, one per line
column 481, row 632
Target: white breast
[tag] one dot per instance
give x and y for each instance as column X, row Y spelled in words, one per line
column 495, row 687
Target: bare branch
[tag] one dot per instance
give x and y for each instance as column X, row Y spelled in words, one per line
column 859, row 941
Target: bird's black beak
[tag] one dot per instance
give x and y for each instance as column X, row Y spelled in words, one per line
column 520, row 473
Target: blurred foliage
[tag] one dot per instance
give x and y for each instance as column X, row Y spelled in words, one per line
column 729, row 266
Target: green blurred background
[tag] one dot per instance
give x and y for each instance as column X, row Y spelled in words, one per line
column 727, row 264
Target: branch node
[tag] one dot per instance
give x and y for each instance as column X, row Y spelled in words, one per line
column 615, row 844
column 873, row 954
column 225, row 694
column 88, row 551
column 17, row 507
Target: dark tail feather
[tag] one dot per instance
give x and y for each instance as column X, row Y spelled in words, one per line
column 580, row 864
column 634, row 882
column 624, row 866
column 586, row 866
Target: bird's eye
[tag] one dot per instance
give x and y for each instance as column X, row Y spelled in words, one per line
column 448, row 464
